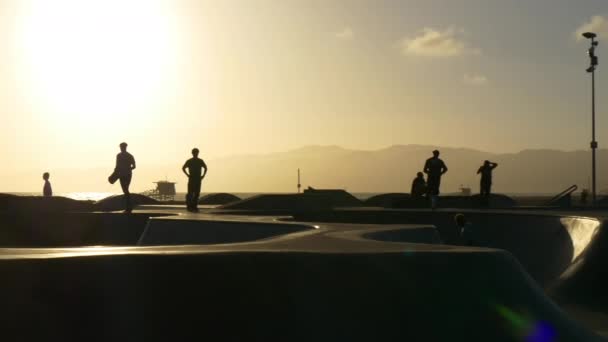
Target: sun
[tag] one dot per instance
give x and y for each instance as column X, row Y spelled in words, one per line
column 95, row 61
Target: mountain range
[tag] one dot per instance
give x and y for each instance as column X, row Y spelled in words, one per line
column 385, row 170
column 392, row 169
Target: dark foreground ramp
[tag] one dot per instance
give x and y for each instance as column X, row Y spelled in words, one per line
column 301, row 281
column 547, row 245
column 586, row 280
column 400, row 292
column 566, row 254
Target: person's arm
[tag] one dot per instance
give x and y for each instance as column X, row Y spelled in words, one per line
column 413, row 191
column 479, row 170
column 184, row 169
column 204, row 172
column 494, row 165
column 132, row 163
column 426, row 167
column 444, row 168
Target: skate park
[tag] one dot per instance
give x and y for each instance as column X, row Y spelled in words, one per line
column 305, row 272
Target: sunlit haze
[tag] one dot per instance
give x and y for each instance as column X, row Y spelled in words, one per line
column 77, row 77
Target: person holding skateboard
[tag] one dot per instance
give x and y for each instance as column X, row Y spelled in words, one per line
column 123, row 172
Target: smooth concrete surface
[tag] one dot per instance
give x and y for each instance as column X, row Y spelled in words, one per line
column 66, row 229
column 547, row 245
column 191, row 229
column 300, row 289
column 349, row 274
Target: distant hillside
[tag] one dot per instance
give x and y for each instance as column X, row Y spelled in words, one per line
column 386, row 170
column 392, row 169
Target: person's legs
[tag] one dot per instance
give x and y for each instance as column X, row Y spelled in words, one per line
column 437, row 185
column 125, row 182
column 190, row 195
column 433, row 184
column 485, row 192
column 196, row 192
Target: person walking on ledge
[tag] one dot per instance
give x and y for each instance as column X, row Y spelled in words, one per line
column 486, row 179
column 47, row 191
column 125, row 164
column 194, row 166
column 434, row 168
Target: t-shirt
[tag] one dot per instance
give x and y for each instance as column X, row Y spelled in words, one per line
column 194, row 166
column 124, row 163
column 434, row 166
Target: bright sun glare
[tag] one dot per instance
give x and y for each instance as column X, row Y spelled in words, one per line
column 86, row 59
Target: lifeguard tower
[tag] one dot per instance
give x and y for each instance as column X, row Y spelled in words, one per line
column 165, row 191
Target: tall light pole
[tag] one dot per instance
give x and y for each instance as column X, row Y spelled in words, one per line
column 593, row 62
column 299, row 183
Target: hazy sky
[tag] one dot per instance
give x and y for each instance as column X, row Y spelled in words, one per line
column 77, row 77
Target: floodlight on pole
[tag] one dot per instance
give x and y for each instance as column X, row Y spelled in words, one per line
column 593, row 63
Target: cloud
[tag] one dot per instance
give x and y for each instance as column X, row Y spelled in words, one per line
column 345, row 34
column 436, row 43
column 597, row 24
column 475, row 80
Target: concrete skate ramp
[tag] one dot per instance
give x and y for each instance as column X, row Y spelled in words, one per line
column 214, row 229
column 168, row 231
column 586, row 280
column 288, row 203
column 314, row 291
column 33, row 205
column 71, row 229
column 218, row 199
column 390, row 200
column 401, row 234
column 117, row 202
column 548, row 246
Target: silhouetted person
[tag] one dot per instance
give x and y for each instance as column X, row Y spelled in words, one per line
column 486, row 178
column 194, row 166
column 434, row 168
column 47, row 191
column 465, row 230
column 125, row 164
column 418, row 186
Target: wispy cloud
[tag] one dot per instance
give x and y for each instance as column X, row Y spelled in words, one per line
column 346, row 34
column 475, row 79
column 432, row 42
column 597, row 24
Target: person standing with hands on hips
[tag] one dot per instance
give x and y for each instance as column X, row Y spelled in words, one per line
column 192, row 168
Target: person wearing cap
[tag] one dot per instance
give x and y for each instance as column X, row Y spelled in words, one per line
column 125, row 164
column 434, row 168
column 192, row 168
